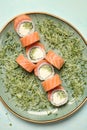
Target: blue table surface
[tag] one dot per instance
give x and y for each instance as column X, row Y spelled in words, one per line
column 75, row 12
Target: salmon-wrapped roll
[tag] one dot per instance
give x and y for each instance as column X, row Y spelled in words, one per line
column 51, row 83
column 54, row 59
column 23, row 25
column 50, row 92
column 35, row 52
column 30, row 39
column 58, row 96
column 25, row 63
column 44, row 70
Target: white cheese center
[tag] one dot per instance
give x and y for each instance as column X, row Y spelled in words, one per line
column 22, row 30
column 57, row 99
column 45, row 73
column 38, row 54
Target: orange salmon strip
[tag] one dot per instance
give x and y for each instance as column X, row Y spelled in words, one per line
column 25, row 63
column 51, row 83
column 37, row 65
column 38, row 44
column 54, row 59
column 30, row 39
column 19, row 19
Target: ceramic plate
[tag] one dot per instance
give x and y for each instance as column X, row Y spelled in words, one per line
column 21, row 92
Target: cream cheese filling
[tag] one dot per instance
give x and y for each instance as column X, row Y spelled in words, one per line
column 22, row 30
column 59, row 98
column 45, row 71
column 36, row 54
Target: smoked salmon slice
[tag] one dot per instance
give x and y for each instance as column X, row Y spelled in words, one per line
column 25, row 63
column 51, row 83
column 30, row 39
column 20, row 19
column 54, row 59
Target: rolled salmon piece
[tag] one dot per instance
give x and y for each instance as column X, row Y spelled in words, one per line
column 30, row 39
column 23, row 25
column 54, row 59
column 58, row 96
column 25, row 63
column 51, row 83
column 50, row 92
column 44, row 70
column 35, row 52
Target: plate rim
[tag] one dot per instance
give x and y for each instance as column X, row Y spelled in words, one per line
column 43, row 121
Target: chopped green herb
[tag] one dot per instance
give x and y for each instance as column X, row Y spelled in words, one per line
column 28, row 25
column 61, row 94
column 6, row 113
column 10, row 124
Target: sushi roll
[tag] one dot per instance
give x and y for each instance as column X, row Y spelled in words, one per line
column 54, row 59
column 23, row 25
column 58, row 96
column 35, row 52
column 44, row 70
column 25, row 63
column 30, row 39
column 51, row 83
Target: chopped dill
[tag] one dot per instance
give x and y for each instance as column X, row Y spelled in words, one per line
column 28, row 25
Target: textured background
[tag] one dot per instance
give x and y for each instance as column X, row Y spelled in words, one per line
column 75, row 12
